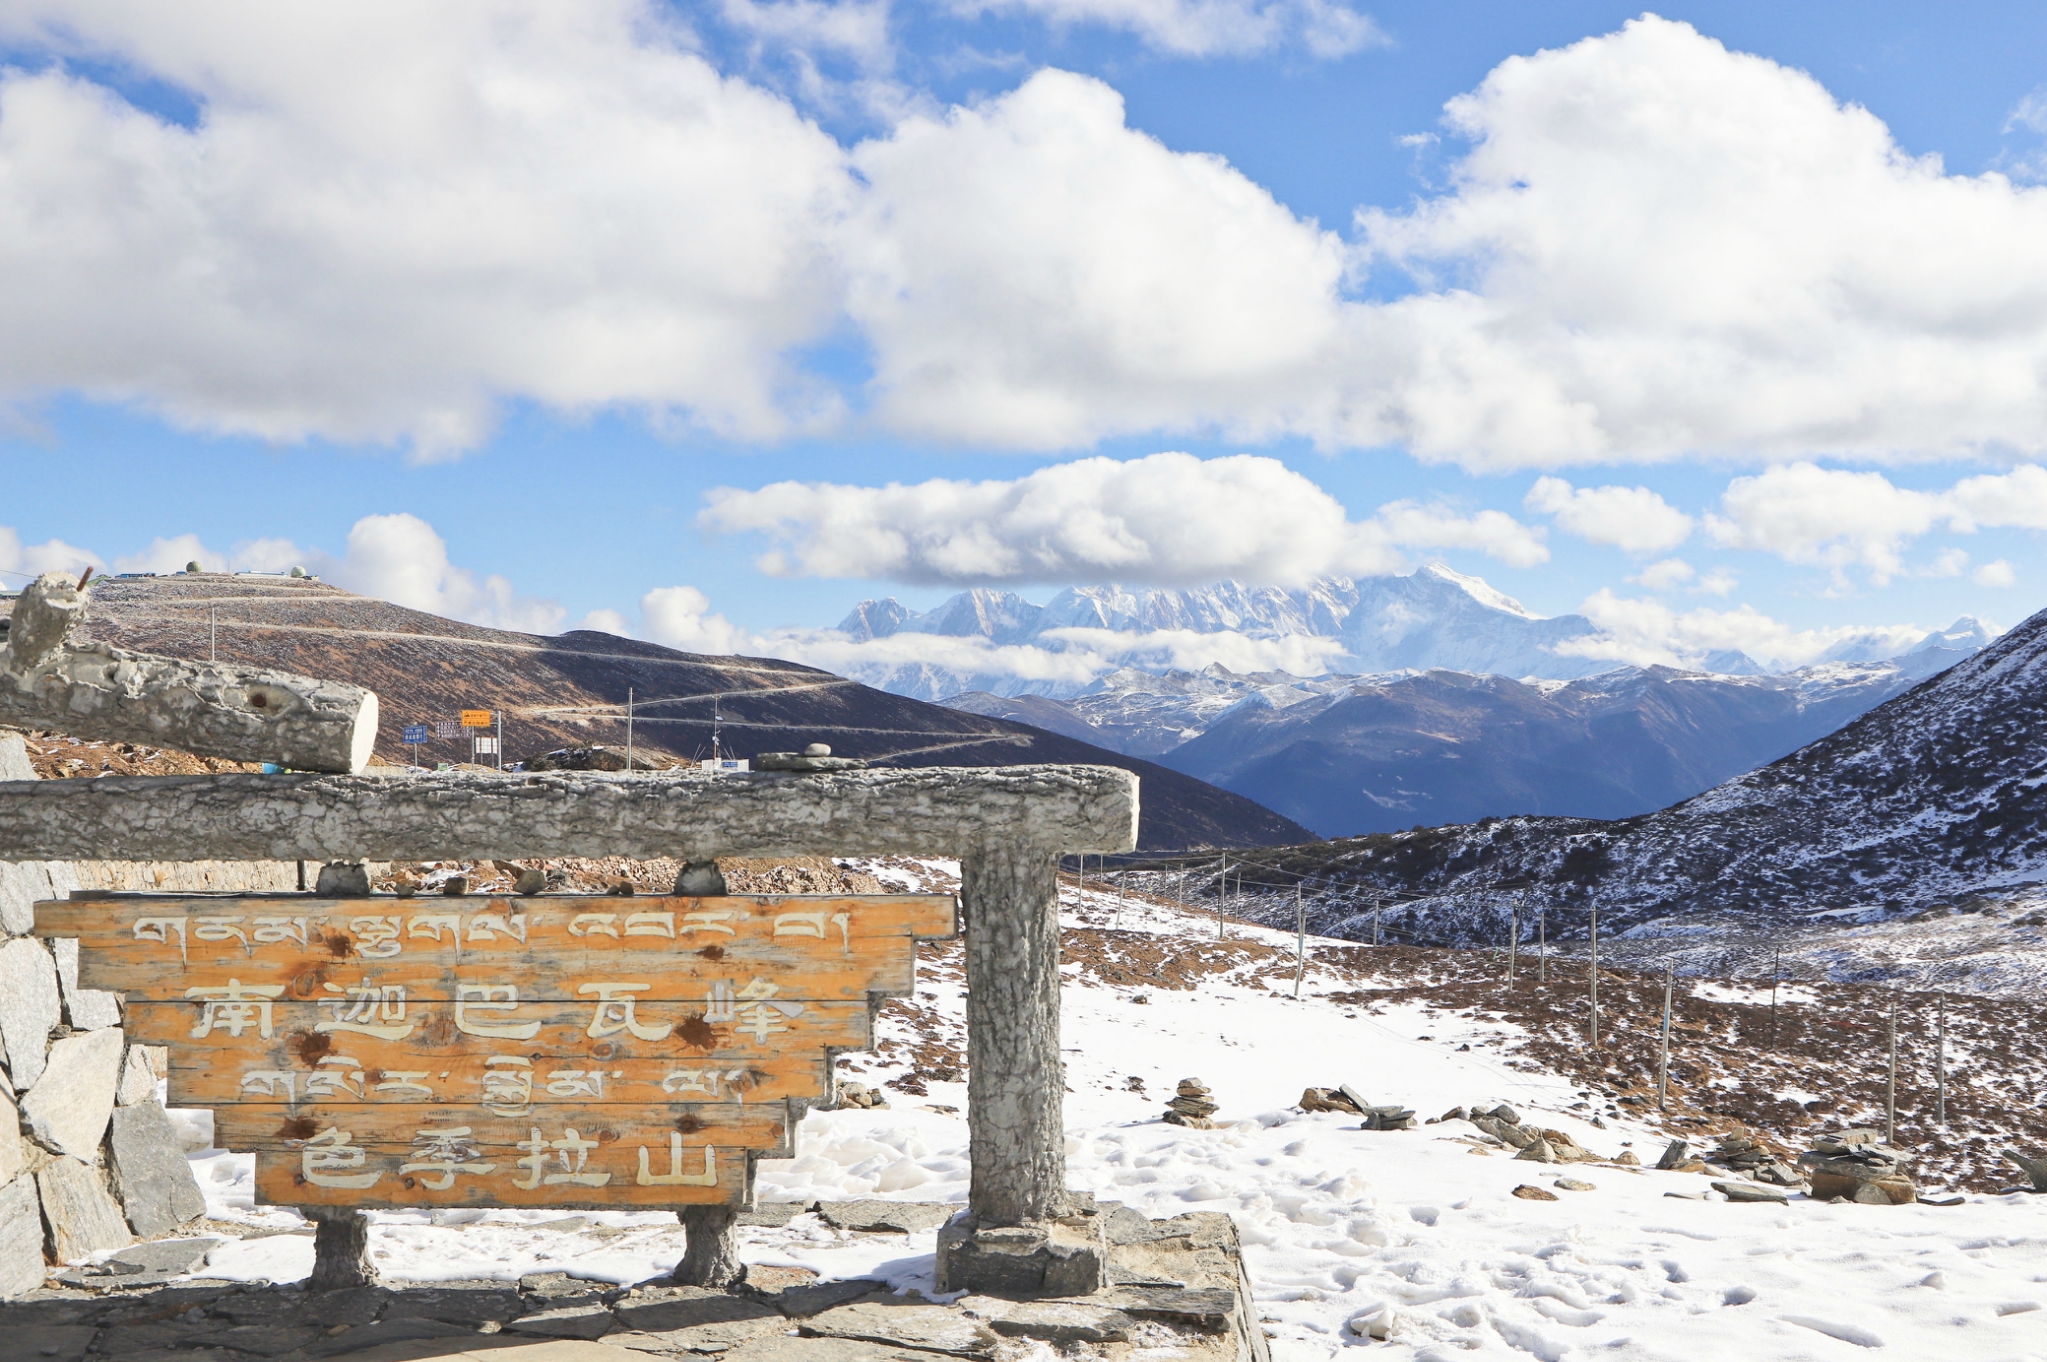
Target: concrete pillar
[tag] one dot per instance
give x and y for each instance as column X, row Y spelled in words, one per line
column 341, row 1248
column 1015, row 1090
column 710, row 1251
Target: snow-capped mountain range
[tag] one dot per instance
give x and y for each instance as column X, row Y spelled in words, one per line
column 1432, row 619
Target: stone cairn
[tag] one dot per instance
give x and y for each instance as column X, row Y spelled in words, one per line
column 1858, row 1166
column 1742, row 1152
column 1191, row 1105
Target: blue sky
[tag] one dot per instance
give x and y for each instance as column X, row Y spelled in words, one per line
column 544, row 284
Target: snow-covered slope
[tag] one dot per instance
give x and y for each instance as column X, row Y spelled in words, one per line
column 1416, row 1233
column 1936, row 799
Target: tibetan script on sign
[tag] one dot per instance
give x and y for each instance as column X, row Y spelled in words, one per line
column 542, row 1051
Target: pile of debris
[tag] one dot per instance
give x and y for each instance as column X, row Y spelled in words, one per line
column 1191, row 1106
column 1345, row 1098
column 595, row 758
column 1504, row 1126
column 1857, row 1166
column 1744, row 1153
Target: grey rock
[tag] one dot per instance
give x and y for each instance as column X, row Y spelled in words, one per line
column 343, row 880
column 1574, row 1185
column 772, row 1213
column 1122, row 1225
column 783, row 1348
column 1751, row 1191
column 702, row 1338
column 144, row 1264
column 801, row 1302
column 67, row 1109
column 265, row 1340
column 1055, row 1259
column 55, row 1342
column 1537, row 1151
column 690, row 1306
column 13, row 1150
column 700, row 879
column 1503, row 1112
column 81, row 1213
column 1208, row 1308
column 1054, row 1321
column 87, row 1009
column 899, row 1217
column 363, row 1337
column 29, row 1008
column 926, row 1328
column 453, row 1305
column 797, row 761
column 1674, row 1153
column 138, row 1079
column 568, row 1321
column 151, row 1174
column 2034, row 1169
column 21, row 1239
column 554, row 1285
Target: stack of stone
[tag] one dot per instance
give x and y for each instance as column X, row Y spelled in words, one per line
column 88, row 1159
column 1858, row 1166
column 1744, row 1153
column 1390, row 1117
column 1191, row 1105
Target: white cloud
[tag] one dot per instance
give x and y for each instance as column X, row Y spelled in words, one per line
column 391, row 216
column 1167, row 519
column 1208, row 28
column 1647, row 633
column 19, row 561
column 1632, row 519
column 1834, row 518
column 854, row 28
column 1664, row 574
column 680, row 617
column 1999, row 573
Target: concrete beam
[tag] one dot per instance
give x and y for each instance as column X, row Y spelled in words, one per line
column 212, row 709
column 929, row 811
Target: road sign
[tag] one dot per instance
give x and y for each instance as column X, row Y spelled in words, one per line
column 476, row 718
column 447, row 728
column 415, row 733
column 541, row 1051
column 486, row 747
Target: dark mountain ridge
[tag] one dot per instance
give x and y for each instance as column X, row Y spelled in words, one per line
column 1933, row 801
column 570, row 690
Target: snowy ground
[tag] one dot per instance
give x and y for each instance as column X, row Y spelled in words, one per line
column 1416, row 1231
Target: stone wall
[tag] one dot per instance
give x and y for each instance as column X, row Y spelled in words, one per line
column 88, row 1159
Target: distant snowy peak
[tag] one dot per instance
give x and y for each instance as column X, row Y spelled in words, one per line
column 1478, row 589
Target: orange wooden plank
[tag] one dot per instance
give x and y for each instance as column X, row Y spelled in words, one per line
column 365, row 1071
column 250, row 1027
column 303, row 930
column 877, row 967
column 475, row 1158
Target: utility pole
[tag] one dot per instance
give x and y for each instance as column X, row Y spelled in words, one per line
column 1663, row 1052
column 213, row 633
column 1891, row 1081
column 1222, row 893
column 500, row 717
column 1300, row 938
column 1940, row 1062
column 1592, row 975
column 1375, row 919
column 1513, row 934
column 628, row 730
column 1542, row 944
column 1776, row 976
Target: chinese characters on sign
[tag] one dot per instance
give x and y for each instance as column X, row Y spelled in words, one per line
column 536, row 1051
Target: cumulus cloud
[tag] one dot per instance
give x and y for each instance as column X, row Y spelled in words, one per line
column 1208, row 28
column 1632, row 519
column 389, row 219
column 1839, row 519
column 1999, row 573
column 1167, row 519
column 393, row 216
column 1647, row 633
column 19, row 561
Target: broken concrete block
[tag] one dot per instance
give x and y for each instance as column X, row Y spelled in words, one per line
column 151, row 1175
column 21, row 1239
column 1024, row 1261
column 67, row 1110
column 927, row 1328
column 1054, row 1321
column 29, row 1008
column 81, row 1213
column 690, row 1306
column 87, row 1009
column 144, row 1265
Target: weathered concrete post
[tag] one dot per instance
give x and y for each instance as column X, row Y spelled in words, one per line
column 710, row 1252
column 341, row 1248
column 1010, row 897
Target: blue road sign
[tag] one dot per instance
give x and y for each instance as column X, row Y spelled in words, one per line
column 415, row 733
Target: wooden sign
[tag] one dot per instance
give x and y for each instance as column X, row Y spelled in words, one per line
column 544, row 1051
